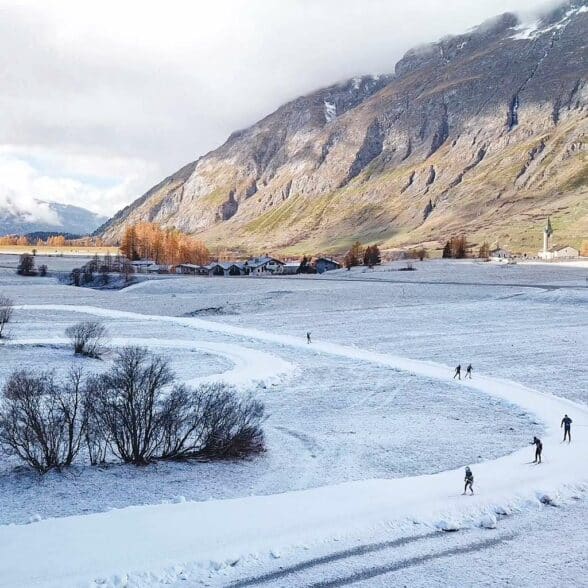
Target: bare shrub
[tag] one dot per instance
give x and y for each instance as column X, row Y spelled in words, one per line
column 41, row 421
column 88, row 338
column 141, row 420
column 231, row 426
column 129, row 413
column 211, row 421
column 129, row 405
column 96, row 437
column 6, row 310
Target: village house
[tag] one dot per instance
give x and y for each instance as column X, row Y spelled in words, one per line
column 262, row 265
column 190, row 269
column 289, row 268
column 499, row 254
column 141, row 265
column 561, row 252
column 157, row 269
column 326, row 264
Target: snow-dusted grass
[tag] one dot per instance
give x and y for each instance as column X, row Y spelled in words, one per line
column 345, row 414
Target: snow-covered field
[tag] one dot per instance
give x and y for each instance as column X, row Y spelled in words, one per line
column 367, row 432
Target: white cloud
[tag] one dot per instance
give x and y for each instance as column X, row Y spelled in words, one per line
column 23, row 185
column 127, row 92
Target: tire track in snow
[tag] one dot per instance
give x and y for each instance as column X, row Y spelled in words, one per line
column 374, row 572
column 331, row 558
column 227, row 530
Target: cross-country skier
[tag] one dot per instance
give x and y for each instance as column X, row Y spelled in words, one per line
column 566, row 423
column 457, row 372
column 469, row 481
column 538, row 449
column 308, row 336
column 469, row 371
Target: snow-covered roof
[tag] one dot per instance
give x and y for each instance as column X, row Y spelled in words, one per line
column 328, row 259
column 190, row 265
column 143, row 262
column 229, row 264
column 259, row 261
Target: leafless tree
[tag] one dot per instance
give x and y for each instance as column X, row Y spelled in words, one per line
column 41, row 421
column 129, row 408
column 95, row 435
column 6, row 310
column 88, row 338
column 142, row 420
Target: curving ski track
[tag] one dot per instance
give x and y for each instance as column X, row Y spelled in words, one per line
column 155, row 542
column 250, row 366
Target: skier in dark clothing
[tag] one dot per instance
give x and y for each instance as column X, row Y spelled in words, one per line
column 469, row 371
column 566, row 423
column 469, row 481
column 538, row 449
column 308, row 337
column 457, row 372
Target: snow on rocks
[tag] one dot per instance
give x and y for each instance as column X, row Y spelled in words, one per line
column 548, row 499
column 448, row 526
column 503, row 511
column 330, row 111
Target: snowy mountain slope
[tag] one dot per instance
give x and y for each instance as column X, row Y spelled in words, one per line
column 148, row 545
column 484, row 132
column 62, row 218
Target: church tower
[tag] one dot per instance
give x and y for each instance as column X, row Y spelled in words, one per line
column 547, row 232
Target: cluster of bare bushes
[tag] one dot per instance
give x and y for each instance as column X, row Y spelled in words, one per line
column 133, row 413
column 88, row 338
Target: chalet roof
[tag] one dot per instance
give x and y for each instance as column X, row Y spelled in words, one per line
column 229, row 264
column 560, row 247
column 143, row 262
column 328, row 259
column 263, row 260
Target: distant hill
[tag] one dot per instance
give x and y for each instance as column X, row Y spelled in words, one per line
column 44, row 235
column 59, row 218
column 482, row 133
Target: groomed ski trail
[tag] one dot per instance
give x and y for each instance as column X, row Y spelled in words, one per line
column 250, row 366
column 153, row 542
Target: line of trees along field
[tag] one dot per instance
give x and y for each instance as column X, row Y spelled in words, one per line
column 165, row 246
column 49, row 241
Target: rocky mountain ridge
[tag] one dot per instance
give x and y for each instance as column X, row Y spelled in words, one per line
column 482, row 133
